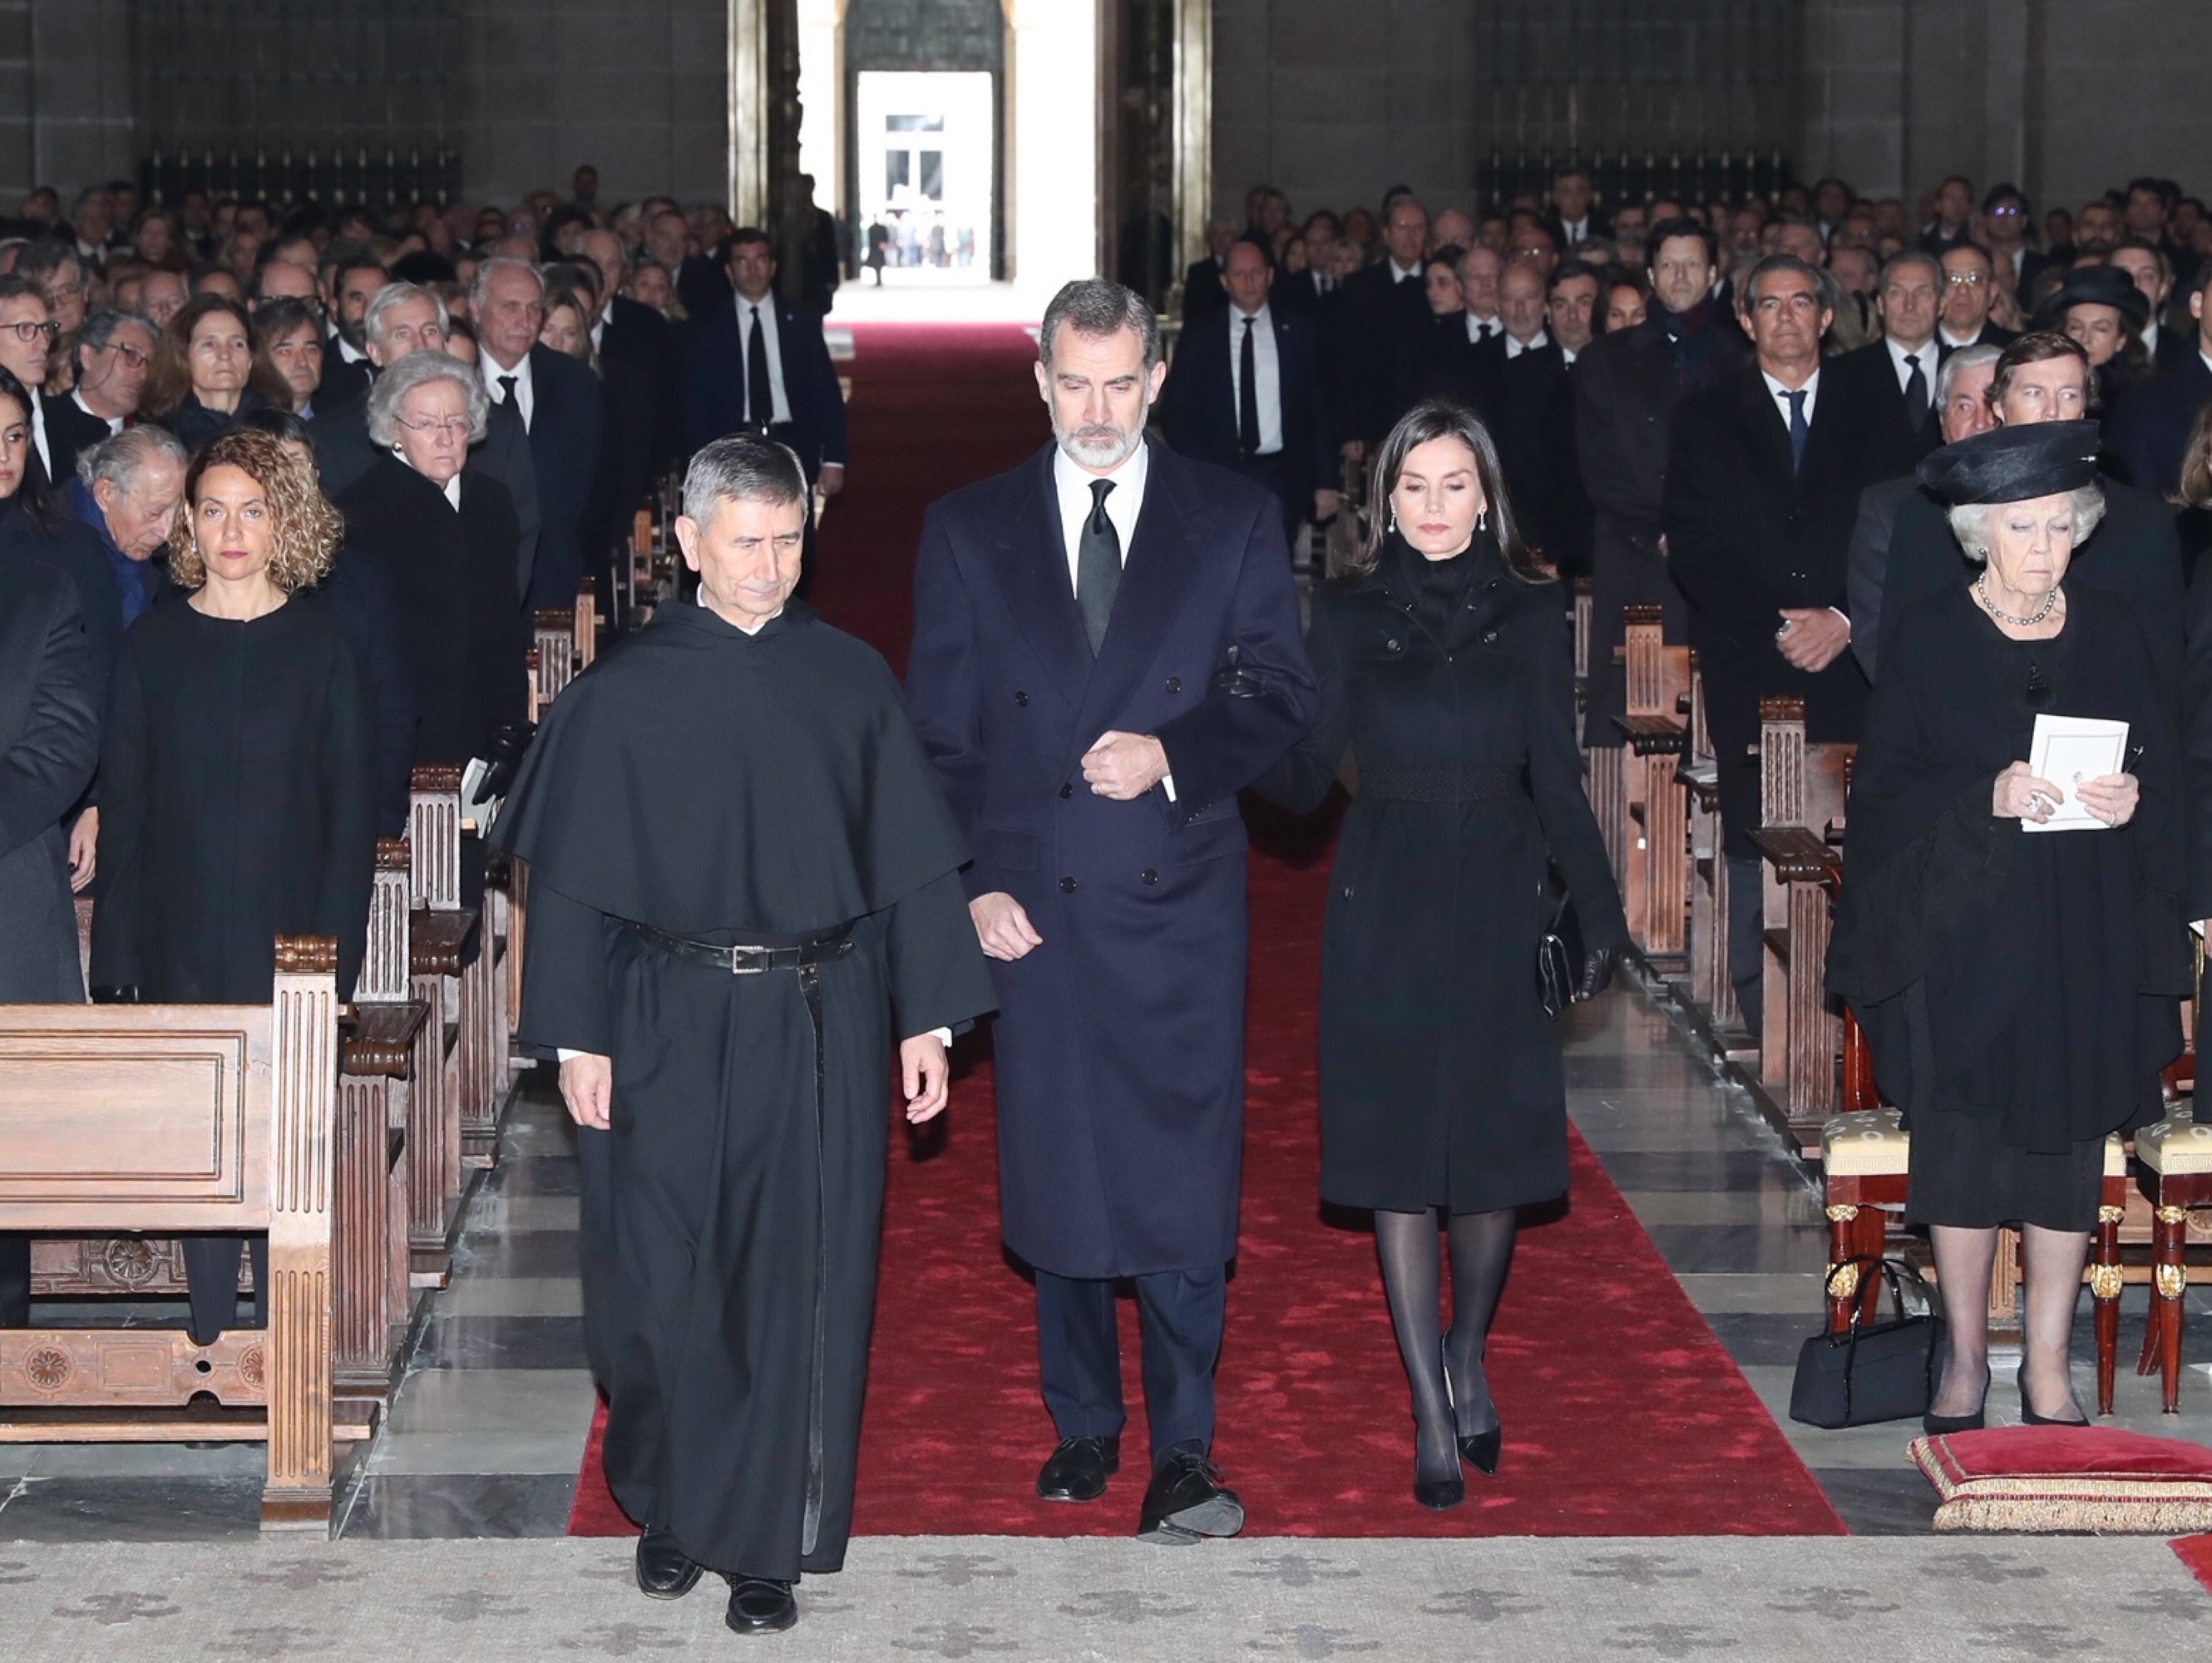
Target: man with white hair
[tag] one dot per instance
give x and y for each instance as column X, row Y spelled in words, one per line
column 721, row 986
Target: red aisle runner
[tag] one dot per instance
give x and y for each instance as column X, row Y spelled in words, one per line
column 1623, row 1415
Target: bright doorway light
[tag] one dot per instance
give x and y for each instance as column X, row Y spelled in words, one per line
column 924, row 149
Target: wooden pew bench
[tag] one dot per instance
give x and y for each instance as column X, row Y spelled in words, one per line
column 1710, row 990
column 1654, row 833
column 171, row 1118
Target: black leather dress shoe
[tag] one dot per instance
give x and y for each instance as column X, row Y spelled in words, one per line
column 1078, row 1470
column 759, row 1605
column 664, row 1571
column 1185, row 1501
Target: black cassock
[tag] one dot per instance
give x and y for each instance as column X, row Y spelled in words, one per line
column 735, row 788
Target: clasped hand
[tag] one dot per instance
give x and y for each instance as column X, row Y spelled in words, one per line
column 1123, row 766
column 2018, row 795
column 1811, row 637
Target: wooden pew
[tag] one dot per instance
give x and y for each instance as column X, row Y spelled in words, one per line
column 168, row 1119
column 556, row 640
column 1802, row 789
column 440, row 934
column 1711, row 990
column 1654, row 826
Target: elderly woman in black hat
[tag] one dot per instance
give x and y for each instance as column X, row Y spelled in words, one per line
column 2100, row 306
column 2020, row 992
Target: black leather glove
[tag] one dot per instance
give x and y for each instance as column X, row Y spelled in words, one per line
column 1597, row 972
column 1233, row 681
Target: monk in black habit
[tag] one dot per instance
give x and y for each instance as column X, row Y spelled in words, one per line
column 740, row 867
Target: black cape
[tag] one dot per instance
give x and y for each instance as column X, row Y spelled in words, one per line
column 732, row 787
column 2032, row 980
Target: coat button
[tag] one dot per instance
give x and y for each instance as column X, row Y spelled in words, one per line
column 1493, row 583
column 1021, row 698
column 1174, row 683
column 1067, row 792
column 1149, row 876
column 1489, row 637
column 1347, row 892
column 1067, row 886
column 1393, row 644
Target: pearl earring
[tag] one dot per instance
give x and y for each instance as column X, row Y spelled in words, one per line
column 1394, row 519
column 1482, row 518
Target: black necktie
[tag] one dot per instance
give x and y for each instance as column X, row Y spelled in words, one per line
column 1916, row 393
column 1248, row 396
column 759, row 400
column 1485, row 331
column 1800, row 430
column 506, row 391
column 1097, row 567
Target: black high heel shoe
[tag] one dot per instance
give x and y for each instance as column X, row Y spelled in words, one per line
column 1438, row 1495
column 2028, row 1415
column 1937, row 1426
column 1479, row 1450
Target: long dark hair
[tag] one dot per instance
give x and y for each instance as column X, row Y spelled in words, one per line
column 1440, row 419
column 30, row 496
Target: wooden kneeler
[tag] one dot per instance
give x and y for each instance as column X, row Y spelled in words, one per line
column 439, row 933
column 179, row 1119
column 1654, row 854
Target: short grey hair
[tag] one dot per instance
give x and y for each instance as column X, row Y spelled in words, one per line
column 119, row 459
column 480, row 285
column 1905, row 257
column 743, row 467
column 420, row 369
column 1958, row 364
column 1826, row 289
column 397, row 294
column 1097, row 308
column 1970, row 521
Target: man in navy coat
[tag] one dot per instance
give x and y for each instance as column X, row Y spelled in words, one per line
column 1092, row 719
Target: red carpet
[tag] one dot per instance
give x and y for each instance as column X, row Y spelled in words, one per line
column 2195, row 1552
column 1623, row 1415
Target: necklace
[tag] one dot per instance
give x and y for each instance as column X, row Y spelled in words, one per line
column 1982, row 590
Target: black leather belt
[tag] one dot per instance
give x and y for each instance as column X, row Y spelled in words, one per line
column 1464, row 785
column 746, row 961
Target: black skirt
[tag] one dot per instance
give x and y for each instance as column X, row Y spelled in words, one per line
column 1963, row 1174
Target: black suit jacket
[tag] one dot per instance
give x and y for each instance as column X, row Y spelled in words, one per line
column 2149, row 432
column 1871, row 375
column 1599, row 226
column 1991, row 335
column 1202, row 293
column 1535, row 434
column 1197, row 407
column 567, row 437
column 713, row 399
column 1378, row 313
column 342, row 383
column 638, row 368
column 1434, row 359
column 70, row 432
column 51, row 701
column 1746, row 538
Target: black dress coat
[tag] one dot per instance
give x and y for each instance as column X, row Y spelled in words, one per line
column 1120, row 1043
column 1440, row 1077
column 566, row 439
column 2149, row 433
column 237, row 803
column 1747, row 537
column 2033, row 980
column 50, row 711
column 1197, row 407
column 454, row 574
column 1872, row 375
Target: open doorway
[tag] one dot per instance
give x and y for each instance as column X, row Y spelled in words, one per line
column 925, row 151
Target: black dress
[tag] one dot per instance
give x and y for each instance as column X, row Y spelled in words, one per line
column 2020, row 991
column 1451, row 682
column 237, row 804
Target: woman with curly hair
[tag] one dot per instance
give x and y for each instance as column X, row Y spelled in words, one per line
column 237, row 772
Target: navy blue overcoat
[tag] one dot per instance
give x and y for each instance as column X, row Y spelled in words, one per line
column 1119, row 1041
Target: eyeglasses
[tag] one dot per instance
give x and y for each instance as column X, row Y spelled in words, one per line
column 451, row 425
column 28, row 332
column 61, row 292
column 2007, row 213
column 1965, row 279
column 132, row 358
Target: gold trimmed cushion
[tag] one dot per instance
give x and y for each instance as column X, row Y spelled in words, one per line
column 2056, row 1479
column 1866, row 1141
column 2175, row 1146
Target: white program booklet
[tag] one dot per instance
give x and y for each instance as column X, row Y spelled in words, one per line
column 2068, row 749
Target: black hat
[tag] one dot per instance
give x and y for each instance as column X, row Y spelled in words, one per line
column 2094, row 285
column 2014, row 464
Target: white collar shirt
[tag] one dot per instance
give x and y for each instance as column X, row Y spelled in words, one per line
column 1811, row 389
column 772, row 345
column 453, row 490
column 1945, row 339
column 1266, row 374
column 1514, row 348
column 1402, row 274
column 1928, row 353
column 347, row 354
column 1072, row 485
column 1479, row 329
column 114, row 423
column 38, row 432
column 2150, row 339
column 1567, row 356
column 1577, row 230
column 525, row 387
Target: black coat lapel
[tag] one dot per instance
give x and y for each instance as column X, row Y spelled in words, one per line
column 1766, row 422
column 1153, row 585
column 1032, row 561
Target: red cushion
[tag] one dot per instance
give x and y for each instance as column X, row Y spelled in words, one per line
column 2057, row 1479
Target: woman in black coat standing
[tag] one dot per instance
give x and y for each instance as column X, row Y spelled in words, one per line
column 206, row 373
column 1443, row 657
column 237, row 773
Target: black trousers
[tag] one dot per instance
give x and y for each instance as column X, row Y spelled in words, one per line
column 1079, row 1355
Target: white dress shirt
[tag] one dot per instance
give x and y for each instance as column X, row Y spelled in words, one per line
column 525, row 389
column 2150, row 339
column 1577, row 230
column 1072, row 485
column 453, row 490
column 1477, row 327
column 1402, row 274
column 114, row 423
column 1266, row 375
column 1514, row 348
column 1945, row 339
column 779, row 402
column 1928, row 354
column 347, row 354
column 38, row 432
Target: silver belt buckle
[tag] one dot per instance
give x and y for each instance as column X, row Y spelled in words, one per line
column 739, row 967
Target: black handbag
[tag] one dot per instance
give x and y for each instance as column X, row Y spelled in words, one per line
column 1560, row 959
column 1872, row 1371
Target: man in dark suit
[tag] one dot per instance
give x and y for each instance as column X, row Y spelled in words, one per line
column 1954, row 207
column 50, row 706
column 2151, row 270
column 1970, row 290
column 562, row 411
column 1202, row 291
column 1245, row 393
column 1535, row 430
column 27, row 336
column 1764, row 475
column 2149, row 432
column 2134, row 552
column 1092, row 722
column 350, row 276
column 636, row 364
column 2004, row 229
column 113, row 352
column 1572, row 219
column 1382, row 303
column 759, row 364
column 1626, row 387
column 1894, row 378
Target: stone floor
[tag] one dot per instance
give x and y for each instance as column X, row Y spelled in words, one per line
column 487, row 1428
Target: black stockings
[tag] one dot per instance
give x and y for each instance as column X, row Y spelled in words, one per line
column 1458, row 1404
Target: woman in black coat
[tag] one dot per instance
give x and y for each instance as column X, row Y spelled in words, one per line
column 2020, row 994
column 236, row 773
column 206, row 373
column 449, row 537
column 1443, row 659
